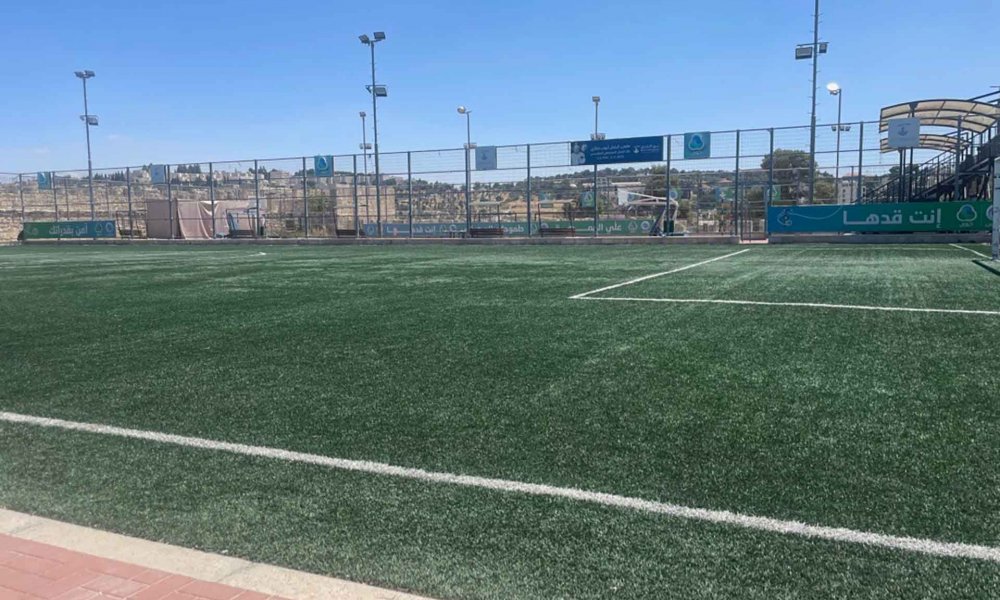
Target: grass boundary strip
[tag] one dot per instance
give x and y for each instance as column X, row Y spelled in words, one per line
column 955, row 311
column 977, row 253
column 654, row 275
column 766, row 524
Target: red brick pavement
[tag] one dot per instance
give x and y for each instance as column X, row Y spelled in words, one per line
column 34, row 571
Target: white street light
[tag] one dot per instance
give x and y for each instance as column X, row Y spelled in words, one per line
column 89, row 120
column 462, row 110
column 377, row 91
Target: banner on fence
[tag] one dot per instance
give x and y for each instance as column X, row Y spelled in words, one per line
column 51, row 230
column 901, row 217
column 610, row 152
column 583, row 227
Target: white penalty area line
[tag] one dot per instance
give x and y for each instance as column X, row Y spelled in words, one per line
column 835, row 534
column 654, row 275
column 969, row 250
column 954, row 311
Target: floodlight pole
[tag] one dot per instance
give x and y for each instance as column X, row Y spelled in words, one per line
column 84, row 76
column 812, row 130
column 597, row 135
column 378, row 191
column 364, row 149
column 468, row 171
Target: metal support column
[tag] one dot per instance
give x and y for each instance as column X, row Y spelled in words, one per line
column 409, row 192
column 468, row 192
column 737, row 205
column 128, row 194
column 996, row 209
column 357, row 225
column 668, row 224
column 596, row 204
column 769, row 194
column 333, row 195
column 958, row 161
column 812, row 137
column 55, row 194
column 527, row 187
column 256, row 196
column 861, row 161
column 170, row 203
column 20, row 194
column 305, row 196
column 211, row 196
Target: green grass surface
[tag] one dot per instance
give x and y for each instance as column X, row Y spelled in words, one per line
column 473, row 360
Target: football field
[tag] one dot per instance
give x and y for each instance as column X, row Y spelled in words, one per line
column 724, row 421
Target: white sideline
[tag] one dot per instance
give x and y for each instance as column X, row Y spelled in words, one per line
column 645, row 277
column 968, row 250
column 836, row 534
column 956, row 311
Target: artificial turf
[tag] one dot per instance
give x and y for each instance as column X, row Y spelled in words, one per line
column 474, row 360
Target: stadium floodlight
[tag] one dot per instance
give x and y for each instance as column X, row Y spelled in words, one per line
column 833, row 87
column 88, row 121
column 377, row 91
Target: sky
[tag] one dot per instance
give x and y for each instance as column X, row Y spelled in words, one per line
column 195, row 81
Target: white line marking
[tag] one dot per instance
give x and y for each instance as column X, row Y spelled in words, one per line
column 645, row 277
column 836, row 534
column 968, row 250
column 956, row 311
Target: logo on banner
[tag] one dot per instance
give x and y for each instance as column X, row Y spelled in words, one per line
column 486, row 158
column 697, row 145
column 158, row 173
column 323, row 166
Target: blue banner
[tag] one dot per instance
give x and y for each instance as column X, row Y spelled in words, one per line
column 903, row 217
column 610, row 152
column 69, row 229
column 44, row 180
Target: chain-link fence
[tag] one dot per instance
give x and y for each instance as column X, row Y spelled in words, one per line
column 530, row 190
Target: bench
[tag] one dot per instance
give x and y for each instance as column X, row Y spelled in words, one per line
column 486, row 232
column 558, row 231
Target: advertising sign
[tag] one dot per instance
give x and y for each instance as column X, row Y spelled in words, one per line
column 698, row 145
column 583, row 227
column 903, row 217
column 44, row 180
column 41, row 230
column 609, row 152
column 158, row 173
column 486, row 158
column 323, row 166
column 904, row 133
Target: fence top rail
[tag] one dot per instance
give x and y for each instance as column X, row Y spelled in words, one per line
column 355, row 156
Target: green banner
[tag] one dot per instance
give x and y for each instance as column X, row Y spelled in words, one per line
column 52, row 230
column 907, row 217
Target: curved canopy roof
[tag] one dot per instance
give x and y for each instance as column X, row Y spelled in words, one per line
column 932, row 141
column 973, row 116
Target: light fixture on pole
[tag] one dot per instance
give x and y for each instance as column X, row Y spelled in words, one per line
column 377, row 91
column 462, row 110
column 806, row 52
column 88, row 120
column 835, row 90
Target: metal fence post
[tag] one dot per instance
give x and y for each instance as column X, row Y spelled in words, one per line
column 256, row 196
column 666, row 226
column 20, row 193
column 128, row 195
column 170, row 203
column 861, row 162
column 55, row 193
column 409, row 191
column 958, row 160
column 769, row 194
column 305, row 195
column 528, row 190
column 211, row 196
column 596, row 209
column 333, row 197
column 737, row 205
column 357, row 225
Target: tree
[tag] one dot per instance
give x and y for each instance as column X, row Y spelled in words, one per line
column 791, row 172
